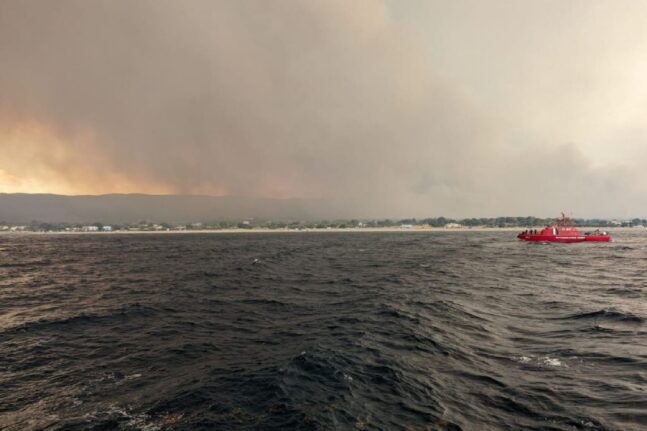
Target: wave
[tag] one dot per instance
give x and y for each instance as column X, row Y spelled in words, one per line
column 70, row 322
column 609, row 315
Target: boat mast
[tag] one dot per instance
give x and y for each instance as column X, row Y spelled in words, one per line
column 564, row 221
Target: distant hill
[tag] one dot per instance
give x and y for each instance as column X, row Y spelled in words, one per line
column 129, row 208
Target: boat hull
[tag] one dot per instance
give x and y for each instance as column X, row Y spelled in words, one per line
column 564, row 238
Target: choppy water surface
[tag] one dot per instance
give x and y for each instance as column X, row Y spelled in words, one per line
column 322, row 331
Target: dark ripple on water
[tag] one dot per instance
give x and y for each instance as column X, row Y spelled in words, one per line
column 320, row 331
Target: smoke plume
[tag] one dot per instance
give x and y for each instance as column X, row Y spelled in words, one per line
column 381, row 108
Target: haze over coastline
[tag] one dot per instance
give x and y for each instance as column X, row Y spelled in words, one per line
column 23, row 208
column 130, row 208
column 377, row 107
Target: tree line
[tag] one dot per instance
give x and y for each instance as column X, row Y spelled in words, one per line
column 493, row 222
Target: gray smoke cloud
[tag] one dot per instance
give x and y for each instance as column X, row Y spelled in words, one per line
column 382, row 108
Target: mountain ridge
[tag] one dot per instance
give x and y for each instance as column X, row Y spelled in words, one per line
column 133, row 207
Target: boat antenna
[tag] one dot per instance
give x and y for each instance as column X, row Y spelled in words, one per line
column 564, row 221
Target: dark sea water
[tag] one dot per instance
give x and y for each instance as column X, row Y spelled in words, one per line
column 322, row 331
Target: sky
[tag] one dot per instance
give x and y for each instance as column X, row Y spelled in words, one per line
column 383, row 108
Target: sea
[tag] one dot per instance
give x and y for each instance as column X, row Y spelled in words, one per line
column 322, row 331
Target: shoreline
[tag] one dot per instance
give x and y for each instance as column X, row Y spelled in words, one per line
column 331, row 230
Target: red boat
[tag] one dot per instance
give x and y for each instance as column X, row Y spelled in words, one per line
column 563, row 231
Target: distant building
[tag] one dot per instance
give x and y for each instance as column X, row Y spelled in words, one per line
column 453, row 226
column 406, row 226
column 107, row 228
column 90, row 228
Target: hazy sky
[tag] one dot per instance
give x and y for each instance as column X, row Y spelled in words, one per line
column 388, row 108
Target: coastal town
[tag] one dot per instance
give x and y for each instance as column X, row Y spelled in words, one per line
column 251, row 224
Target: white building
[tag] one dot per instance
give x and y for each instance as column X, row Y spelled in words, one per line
column 90, row 228
column 453, row 226
column 107, row 228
